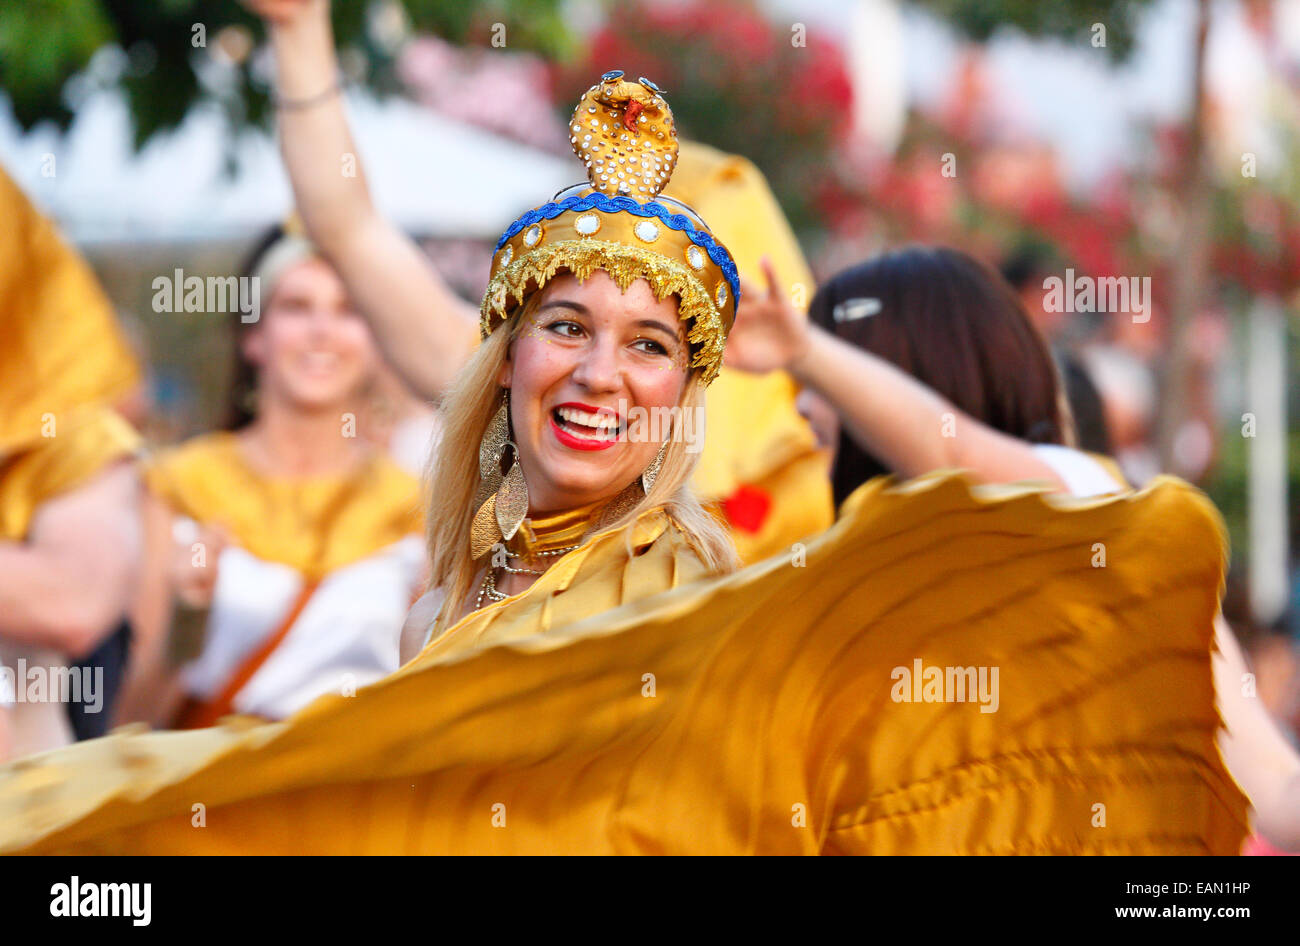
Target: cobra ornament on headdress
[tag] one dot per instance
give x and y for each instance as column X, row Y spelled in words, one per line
column 617, row 222
column 624, row 133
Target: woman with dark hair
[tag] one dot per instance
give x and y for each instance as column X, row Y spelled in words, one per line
column 926, row 359
column 929, row 361
column 288, row 538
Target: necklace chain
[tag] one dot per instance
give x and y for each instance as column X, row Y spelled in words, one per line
column 488, row 589
column 563, row 551
column 524, row 571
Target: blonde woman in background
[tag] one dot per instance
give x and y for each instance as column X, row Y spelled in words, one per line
column 288, row 541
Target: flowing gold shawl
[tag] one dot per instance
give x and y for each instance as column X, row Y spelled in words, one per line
column 750, row 714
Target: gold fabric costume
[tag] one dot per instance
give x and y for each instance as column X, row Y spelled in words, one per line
column 757, row 442
column 312, row 524
column 749, row 714
column 62, row 349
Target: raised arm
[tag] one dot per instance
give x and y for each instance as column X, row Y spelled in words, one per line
column 424, row 328
column 908, row 426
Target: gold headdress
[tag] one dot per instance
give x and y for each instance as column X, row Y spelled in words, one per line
column 624, row 133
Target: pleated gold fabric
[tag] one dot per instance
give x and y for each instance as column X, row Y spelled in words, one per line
column 749, row 714
column 756, row 437
column 61, row 347
column 312, row 524
column 81, row 444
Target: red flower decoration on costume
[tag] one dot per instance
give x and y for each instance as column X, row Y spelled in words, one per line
column 747, row 508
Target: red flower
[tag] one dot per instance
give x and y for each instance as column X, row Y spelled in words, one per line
column 747, row 508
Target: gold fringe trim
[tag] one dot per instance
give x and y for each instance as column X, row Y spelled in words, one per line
column 625, row 264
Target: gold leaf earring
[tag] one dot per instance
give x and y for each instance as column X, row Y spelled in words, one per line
column 503, row 500
column 652, row 471
column 493, row 444
column 511, row 505
column 634, row 492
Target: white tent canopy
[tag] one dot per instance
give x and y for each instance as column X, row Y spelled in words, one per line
column 429, row 174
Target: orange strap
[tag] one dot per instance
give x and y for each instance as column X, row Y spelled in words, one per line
column 196, row 714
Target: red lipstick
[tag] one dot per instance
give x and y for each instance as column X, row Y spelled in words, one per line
column 575, row 441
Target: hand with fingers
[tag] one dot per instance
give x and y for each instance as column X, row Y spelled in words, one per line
column 770, row 333
column 194, row 562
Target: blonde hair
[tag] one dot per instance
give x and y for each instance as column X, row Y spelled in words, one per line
column 452, row 479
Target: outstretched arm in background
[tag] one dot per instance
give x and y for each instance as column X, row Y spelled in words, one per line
column 424, row 328
column 1264, row 764
column 908, row 426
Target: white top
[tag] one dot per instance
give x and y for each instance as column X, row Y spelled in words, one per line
column 1083, row 476
column 345, row 638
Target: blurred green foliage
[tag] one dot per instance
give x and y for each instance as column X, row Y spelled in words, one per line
column 44, row 43
column 533, row 25
column 1073, row 21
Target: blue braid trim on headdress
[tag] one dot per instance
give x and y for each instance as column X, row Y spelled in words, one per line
column 598, row 201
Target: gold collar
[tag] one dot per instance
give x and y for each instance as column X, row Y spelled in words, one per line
column 542, row 534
